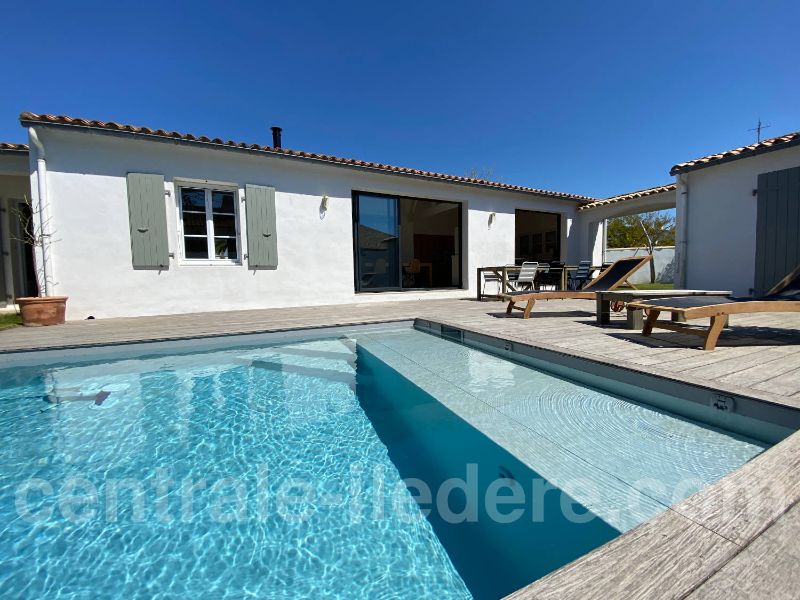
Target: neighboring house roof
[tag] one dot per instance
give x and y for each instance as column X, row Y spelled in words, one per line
column 670, row 187
column 10, row 147
column 777, row 143
column 27, row 118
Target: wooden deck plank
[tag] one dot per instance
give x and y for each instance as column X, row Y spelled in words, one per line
column 768, row 568
column 764, row 372
column 735, row 364
column 748, row 501
column 666, row 557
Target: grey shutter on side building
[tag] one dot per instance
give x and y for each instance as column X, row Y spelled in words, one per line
column 148, row 221
column 778, row 227
column 262, row 235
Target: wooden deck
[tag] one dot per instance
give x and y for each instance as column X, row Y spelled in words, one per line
column 709, row 546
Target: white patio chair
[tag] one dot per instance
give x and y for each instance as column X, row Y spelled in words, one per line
column 526, row 278
column 489, row 277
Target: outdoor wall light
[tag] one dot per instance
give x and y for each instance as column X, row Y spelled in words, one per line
column 323, row 207
column 492, row 219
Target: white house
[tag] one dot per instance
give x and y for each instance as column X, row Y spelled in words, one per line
column 146, row 222
column 738, row 217
column 143, row 221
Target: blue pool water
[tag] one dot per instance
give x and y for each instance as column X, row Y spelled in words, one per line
column 294, row 470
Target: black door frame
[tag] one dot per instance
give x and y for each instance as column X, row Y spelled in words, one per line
column 356, row 267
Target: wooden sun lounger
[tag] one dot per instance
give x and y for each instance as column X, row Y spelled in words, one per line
column 611, row 278
column 784, row 297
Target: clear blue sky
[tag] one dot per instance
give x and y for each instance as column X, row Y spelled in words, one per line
column 596, row 98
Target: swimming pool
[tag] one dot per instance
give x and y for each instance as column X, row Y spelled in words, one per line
column 359, row 463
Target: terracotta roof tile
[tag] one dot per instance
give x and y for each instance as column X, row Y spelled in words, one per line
column 776, row 143
column 630, row 196
column 27, row 118
column 9, row 147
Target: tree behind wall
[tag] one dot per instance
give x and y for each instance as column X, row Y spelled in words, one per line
column 646, row 230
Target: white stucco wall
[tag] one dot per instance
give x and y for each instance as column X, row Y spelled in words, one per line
column 13, row 163
column 721, row 220
column 663, row 258
column 92, row 256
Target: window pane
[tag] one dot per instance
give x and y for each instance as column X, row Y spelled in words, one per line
column 226, row 248
column 378, row 262
column 193, row 199
column 224, row 225
column 196, row 247
column 194, row 223
column 222, row 202
column 537, row 236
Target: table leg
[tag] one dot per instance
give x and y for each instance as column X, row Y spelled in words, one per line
column 505, row 280
column 603, row 309
column 635, row 318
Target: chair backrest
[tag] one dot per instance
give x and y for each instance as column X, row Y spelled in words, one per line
column 544, row 268
column 582, row 272
column 788, row 287
column 527, row 272
column 615, row 275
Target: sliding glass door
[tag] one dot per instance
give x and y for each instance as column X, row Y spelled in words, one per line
column 406, row 243
column 377, row 247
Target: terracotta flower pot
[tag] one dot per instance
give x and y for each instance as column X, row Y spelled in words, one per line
column 46, row 310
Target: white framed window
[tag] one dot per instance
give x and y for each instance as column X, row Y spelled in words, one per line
column 209, row 223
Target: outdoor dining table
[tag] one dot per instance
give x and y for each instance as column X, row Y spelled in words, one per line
column 503, row 272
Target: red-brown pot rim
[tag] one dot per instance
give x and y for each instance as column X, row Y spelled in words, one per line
column 42, row 300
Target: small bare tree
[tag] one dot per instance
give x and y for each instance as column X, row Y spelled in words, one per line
column 647, row 229
column 486, row 173
column 33, row 231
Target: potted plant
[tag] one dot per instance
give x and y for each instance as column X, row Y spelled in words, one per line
column 44, row 309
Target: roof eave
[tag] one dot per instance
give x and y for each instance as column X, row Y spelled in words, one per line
column 678, row 169
column 288, row 154
column 645, row 193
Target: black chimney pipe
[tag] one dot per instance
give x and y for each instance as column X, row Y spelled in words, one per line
column 276, row 137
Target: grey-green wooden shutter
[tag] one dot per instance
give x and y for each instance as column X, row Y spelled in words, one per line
column 778, row 223
column 262, row 235
column 148, row 221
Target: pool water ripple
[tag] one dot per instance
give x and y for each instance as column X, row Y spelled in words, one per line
column 352, row 416
column 212, row 421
